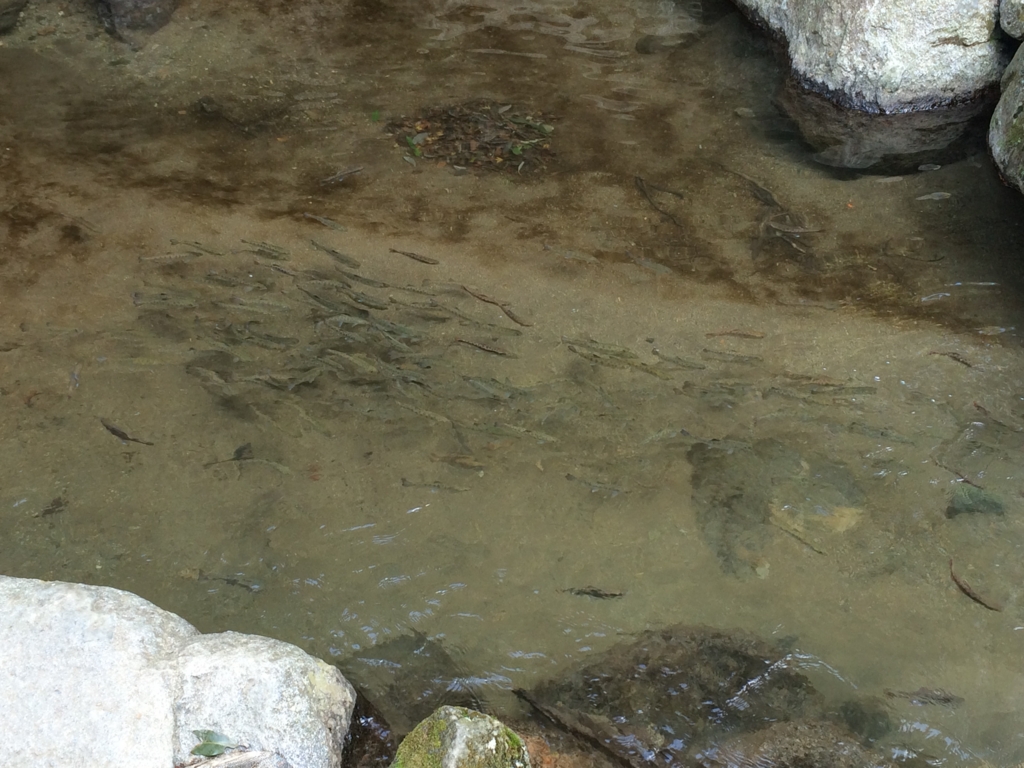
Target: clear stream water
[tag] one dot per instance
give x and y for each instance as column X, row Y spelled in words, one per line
column 730, row 424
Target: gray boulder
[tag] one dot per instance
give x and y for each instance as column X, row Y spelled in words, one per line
column 129, row 15
column 96, row 677
column 888, row 57
column 455, row 737
column 9, row 12
column 1006, row 131
column 1011, row 17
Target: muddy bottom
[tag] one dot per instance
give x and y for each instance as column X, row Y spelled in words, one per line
column 279, row 362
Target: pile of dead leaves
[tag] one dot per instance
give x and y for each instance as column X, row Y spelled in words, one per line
column 477, row 134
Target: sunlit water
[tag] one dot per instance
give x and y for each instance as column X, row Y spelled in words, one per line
column 729, row 422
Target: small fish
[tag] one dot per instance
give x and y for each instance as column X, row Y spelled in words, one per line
column 164, row 298
column 730, row 357
column 465, row 461
column 242, row 453
column 600, row 594
column 924, row 696
column 499, row 304
column 434, row 486
column 340, row 176
column 415, row 256
column 739, row 333
column 929, row 167
column 952, row 356
column 485, row 347
column 329, row 223
column 267, row 250
column 120, row 434
column 338, row 256
column 935, row 196
column 198, row 246
column 682, row 362
column 74, row 379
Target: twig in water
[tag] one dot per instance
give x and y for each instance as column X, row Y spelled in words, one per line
column 642, row 187
column 968, row 590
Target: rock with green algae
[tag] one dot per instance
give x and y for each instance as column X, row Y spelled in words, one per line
column 454, row 737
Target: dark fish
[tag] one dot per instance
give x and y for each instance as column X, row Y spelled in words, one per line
column 338, row 256
column 415, row 256
column 952, row 356
column 924, row 696
column 485, row 347
column 120, row 434
column 600, row 594
column 503, row 306
column 242, row 453
column 329, row 223
column 55, row 507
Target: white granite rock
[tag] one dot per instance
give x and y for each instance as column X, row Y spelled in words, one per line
column 878, row 55
column 92, row 677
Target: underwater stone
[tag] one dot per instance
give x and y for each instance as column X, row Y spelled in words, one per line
column 138, row 14
column 1006, row 131
column 972, row 500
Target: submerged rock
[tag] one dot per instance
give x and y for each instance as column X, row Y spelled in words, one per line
column 888, row 57
column 411, row 676
column 9, row 12
column 884, row 143
column 793, row 745
column 454, row 737
column 129, row 15
column 971, row 500
column 747, row 494
column 673, row 692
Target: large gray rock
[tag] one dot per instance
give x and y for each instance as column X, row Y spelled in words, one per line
column 878, row 55
column 93, row 677
column 9, row 12
column 1011, row 17
column 1006, row 131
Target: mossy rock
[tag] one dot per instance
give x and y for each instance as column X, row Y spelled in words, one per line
column 455, row 737
column 972, row 500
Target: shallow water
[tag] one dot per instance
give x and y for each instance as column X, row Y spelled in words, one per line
column 728, row 426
